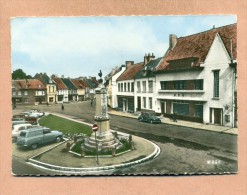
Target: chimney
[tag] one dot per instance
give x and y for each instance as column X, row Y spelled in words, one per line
column 145, row 59
column 172, row 41
column 148, row 58
column 129, row 63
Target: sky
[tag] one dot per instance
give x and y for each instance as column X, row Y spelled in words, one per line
column 81, row 46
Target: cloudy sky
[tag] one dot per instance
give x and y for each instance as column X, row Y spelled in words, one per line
column 80, row 46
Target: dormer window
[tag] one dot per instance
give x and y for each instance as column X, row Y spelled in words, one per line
column 39, row 86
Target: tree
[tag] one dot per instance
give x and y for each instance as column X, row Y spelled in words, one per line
column 19, row 74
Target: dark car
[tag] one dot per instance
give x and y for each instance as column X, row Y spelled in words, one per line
column 149, row 117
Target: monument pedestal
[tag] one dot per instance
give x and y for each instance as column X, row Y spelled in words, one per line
column 104, row 139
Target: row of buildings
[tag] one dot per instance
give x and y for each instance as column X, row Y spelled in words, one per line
column 44, row 89
column 196, row 79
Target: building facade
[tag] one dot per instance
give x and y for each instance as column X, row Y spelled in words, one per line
column 197, row 78
column 111, row 86
column 72, row 89
column 28, row 91
column 51, row 87
column 145, row 85
column 126, row 87
column 62, row 90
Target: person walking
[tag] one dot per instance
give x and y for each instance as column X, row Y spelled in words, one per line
column 62, row 107
column 174, row 117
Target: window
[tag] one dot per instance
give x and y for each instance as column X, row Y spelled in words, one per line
column 150, row 103
column 39, row 93
column 132, row 87
column 199, row 84
column 45, row 131
column 179, row 85
column 129, row 87
column 118, row 86
column 138, row 87
column 199, row 110
column 121, row 87
column 26, row 100
column 144, row 102
column 150, row 86
column 181, row 108
column 144, row 86
column 163, row 85
column 19, row 92
column 124, row 86
column 14, row 93
column 25, row 92
column 216, row 83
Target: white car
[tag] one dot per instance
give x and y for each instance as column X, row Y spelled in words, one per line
column 18, row 128
column 33, row 113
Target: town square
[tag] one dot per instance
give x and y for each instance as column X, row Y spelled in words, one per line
column 125, row 103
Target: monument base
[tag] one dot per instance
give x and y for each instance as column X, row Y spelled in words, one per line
column 103, row 141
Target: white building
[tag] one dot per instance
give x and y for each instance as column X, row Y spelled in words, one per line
column 145, row 85
column 197, row 77
column 112, row 88
column 126, row 87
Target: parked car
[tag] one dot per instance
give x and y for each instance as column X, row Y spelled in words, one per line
column 18, row 116
column 36, row 112
column 16, row 130
column 33, row 113
column 18, row 119
column 37, row 136
column 149, row 117
column 31, row 120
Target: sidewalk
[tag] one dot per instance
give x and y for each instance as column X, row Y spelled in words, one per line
column 194, row 125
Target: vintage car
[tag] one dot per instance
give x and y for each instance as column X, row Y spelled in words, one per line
column 149, row 117
column 38, row 136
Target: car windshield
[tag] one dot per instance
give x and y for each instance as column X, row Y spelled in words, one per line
column 23, row 134
column 151, row 114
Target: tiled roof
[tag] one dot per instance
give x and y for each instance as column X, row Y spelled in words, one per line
column 149, row 66
column 45, row 78
column 68, row 83
column 60, row 84
column 193, row 49
column 131, row 72
column 91, row 83
column 30, row 84
column 78, row 83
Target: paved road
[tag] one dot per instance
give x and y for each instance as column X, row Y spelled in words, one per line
column 182, row 149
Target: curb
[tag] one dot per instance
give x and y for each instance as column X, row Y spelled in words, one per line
column 202, row 129
column 75, row 170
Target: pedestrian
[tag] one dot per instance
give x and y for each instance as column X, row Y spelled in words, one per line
column 174, row 117
column 62, row 107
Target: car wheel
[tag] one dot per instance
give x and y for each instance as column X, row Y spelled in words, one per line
column 140, row 120
column 34, row 146
column 151, row 121
column 58, row 139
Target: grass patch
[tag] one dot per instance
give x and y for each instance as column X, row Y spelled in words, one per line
column 64, row 125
